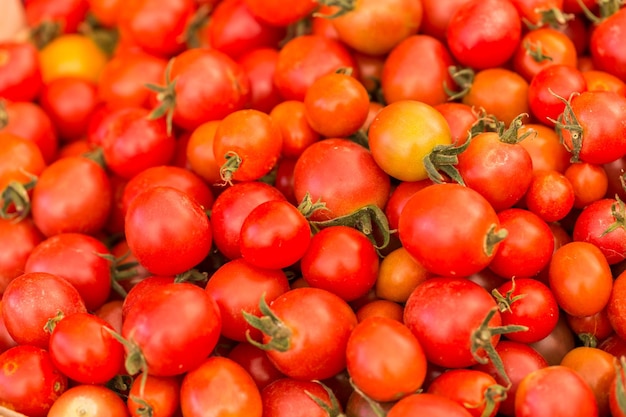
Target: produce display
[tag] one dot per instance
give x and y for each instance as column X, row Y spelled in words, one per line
column 313, row 208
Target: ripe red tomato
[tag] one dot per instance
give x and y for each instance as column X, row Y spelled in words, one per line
column 475, row 390
column 160, row 393
column 288, row 397
column 165, row 214
column 20, row 75
column 260, row 66
column 256, row 362
column 427, row 405
column 599, row 224
column 82, row 399
column 607, row 49
column 18, row 240
column 275, row 13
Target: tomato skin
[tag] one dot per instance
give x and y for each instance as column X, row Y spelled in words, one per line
column 165, row 214
column 68, row 14
column 398, row 198
column 427, row 405
column 399, row 148
column 161, row 393
column 20, row 74
column 231, row 208
column 442, row 313
column 287, row 397
column 592, row 225
column 297, row 133
column 82, row 349
column 578, row 269
column 18, row 240
column 80, row 260
column 528, row 247
column 96, row 400
column 274, row 12
column 255, row 361
column 590, row 182
column 72, row 55
column 384, row 359
column 159, row 316
column 342, row 174
column 460, row 118
column 320, row 324
column 550, row 195
column 30, row 382
column 473, row 43
column 617, row 305
column 535, row 394
column 31, row 299
column 398, row 276
column 260, row 66
column 607, row 49
column 454, row 248
column 466, row 387
column 225, row 288
column 220, row 386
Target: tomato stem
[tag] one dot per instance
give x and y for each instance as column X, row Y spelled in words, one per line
column 145, row 409
column 510, row 135
column 536, row 52
column 618, row 211
column 463, row 78
column 232, row 164
column 492, row 238
column 307, row 207
column 166, row 95
column 588, row 339
column 270, row 325
column 52, row 322
column 193, row 276
column 375, row 406
column 332, row 410
column 42, row 34
column 343, row 7
column 444, row 158
column 198, row 21
column 135, row 361
column 16, row 195
column 505, row 301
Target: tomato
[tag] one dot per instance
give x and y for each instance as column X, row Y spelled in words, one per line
column 341, row 174
column 595, row 328
column 336, row 105
column 58, row 208
column 165, row 214
column 437, row 15
column 545, row 150
column 443, row 314
column 427, row 404
column 535, row 394
column 30, row 382
column 546, row 88
column 231, row 208
column 342, row 260
column 29, row 121
column 518, row 360
column 457, row 246
column 168, row 176
column 578, row 270
column 156, row 26
column 181, row 313
column 540, row 12
column 617, row 304
column 602, row 80
column 66, row 15
column 111, row 312
column 89, row 400
column 255, row 361
column 315, row 327
column 528, row 247
column 600, row 116
column 499, row 91
column 479, row 45
column 541, row 48
column 469, row 388
column 220, row 386
column 306, row 58
column 607, row 51
column 550, row 195
column 599, row 224
column 275, row 13
column 80, row 259
column 235, row 30
column 287, row 397
column 460, row 117
column 106, row 12
column 297, row 133
column 72, row 55
column 246, row 145
column 18, row 240
column 225, row 288
column 260, row 66
column 160, row 393
column 399, row 148
column 590, row 182
column 192, row 96
column 536, row 309
column 123, row 78
column 384, row 359
column 6, row 341
column 400, row 194
column 395, row 21
column 403, row 78
column 20, row 73
column 380, row 308
column 398, row 276
column 200, row 156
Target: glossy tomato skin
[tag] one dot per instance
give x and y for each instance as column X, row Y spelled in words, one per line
column 57, row 207
column 230, row 210
column 428, row 405
column 176, row 326
column 165, row 214
column 220, row 386
column 18, row 240
column 617, row 305
column 454, row 247
column 288, row 397
column 342, row 260
column 535, row 394
column 473, row 43
column 82, row 348
column 160, row 392
column 97, row 399
column 260, row 66
column 78, row 258
column 254, row 360
column 342, row 174
column 320, row 323
column 597, row 224
column 20, row 72
column 384, row 359
column 31, row 299
column 30, row 381
column 274, row 12
column 467, row 387
column 443, row 312
column 607, row 49
column 225, row 287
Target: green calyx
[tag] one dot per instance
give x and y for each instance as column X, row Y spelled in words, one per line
column 166, row 95
column 270, row 325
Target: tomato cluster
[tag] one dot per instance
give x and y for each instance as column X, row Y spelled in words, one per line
column 355, row 208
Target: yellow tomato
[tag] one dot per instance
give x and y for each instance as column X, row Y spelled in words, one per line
column 72, row 55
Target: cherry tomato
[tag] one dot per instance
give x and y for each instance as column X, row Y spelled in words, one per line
column 398, row 275
column 288, row 397
column 256, row 362
column 550, row 195
column 427, row 404
column 18, row 240
column 469, row 388
column 160, row 393
column 20, row 73
column 72, row 55
column 97, row 400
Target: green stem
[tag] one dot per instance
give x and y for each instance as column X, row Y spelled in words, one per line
column 270, row 325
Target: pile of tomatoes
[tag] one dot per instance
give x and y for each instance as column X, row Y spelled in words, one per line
column 357, row 208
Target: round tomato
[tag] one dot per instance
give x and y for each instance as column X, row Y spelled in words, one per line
column 96, row 400
column 72, row 55
column 159, row 395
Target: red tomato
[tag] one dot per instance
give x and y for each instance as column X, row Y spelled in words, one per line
column 260, row 65
column 30, row 382
column 590, row 182
column 20, row 75
column 82, row 399
column 607, row 49
column 297, row 133
column 256, row 362
column 288, row 397
column 550, row 195
column 455, row 247
column 66, row 14
column 275, row 13
column 427, row 405
column 32, row 299
column 160, row 393
column 617, row 305
column 599, row 224
column 220, row 386
column 18, row 240
column 470, row 388
column 165, row 214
